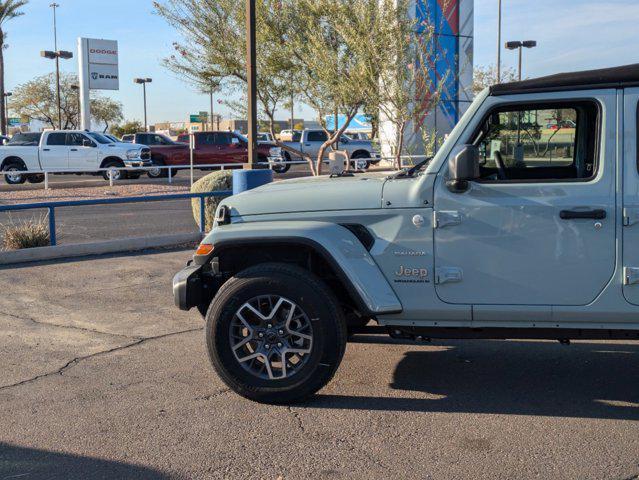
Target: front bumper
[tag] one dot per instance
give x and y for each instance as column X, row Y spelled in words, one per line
column 138, row 163
column 188, row 287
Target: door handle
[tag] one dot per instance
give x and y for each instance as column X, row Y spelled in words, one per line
column 596, row 214
column 46, row 149
column 74, row 149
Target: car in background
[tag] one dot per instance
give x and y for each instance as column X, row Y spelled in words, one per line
column 358, row 135
column 211, row 148
column 265, row 137
column 290, row 135
column 70, row 151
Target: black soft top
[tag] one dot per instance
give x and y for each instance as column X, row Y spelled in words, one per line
column 615, row 77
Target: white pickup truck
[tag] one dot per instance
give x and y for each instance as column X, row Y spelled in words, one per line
column 310, row 141
column 69, row 151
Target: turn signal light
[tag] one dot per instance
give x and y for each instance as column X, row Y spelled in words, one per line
column 204, row 249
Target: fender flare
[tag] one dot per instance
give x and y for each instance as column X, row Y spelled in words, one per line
column 336, row 244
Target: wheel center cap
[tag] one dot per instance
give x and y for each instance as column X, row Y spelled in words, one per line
column 271, row 336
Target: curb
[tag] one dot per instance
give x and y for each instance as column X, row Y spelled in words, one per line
column 99, row 248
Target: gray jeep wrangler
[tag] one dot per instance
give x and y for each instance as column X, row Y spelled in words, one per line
column 524, row 225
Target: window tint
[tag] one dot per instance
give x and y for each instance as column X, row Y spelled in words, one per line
column 214, row 138
column 75, row 139
column 25, row 139
column 556, row 142
column 317, row 136
column 103, row 139
column 56, row 139
column 160, row 140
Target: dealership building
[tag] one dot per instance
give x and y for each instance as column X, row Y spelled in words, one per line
column 451, row 72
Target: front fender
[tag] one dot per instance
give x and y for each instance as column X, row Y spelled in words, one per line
column 335, row 243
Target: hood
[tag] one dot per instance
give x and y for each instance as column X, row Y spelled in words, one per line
column 309, row 194
column 126, row 146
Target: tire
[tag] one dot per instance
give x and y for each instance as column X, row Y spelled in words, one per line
column 14, row 179
column 316, row 312
column 35, row 178
column 157, row 173
column 117, row 174
column 282, row 167
column 361, row 164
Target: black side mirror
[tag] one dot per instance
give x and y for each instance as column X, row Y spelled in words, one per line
column 462, row 168
column 87, row 143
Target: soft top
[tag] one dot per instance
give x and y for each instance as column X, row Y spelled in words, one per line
column 615, row 77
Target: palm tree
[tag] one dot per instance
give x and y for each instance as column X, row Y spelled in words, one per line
column 9, row 9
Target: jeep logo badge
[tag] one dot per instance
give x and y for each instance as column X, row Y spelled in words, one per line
column 411, row 275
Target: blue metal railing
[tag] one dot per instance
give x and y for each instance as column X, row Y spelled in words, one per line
column 51, row 206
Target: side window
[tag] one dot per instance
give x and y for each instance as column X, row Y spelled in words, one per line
column 57, row 139
column 75, row 139
column 543, row 143
column 159, row 140
column 144, row 139
column 317, row 136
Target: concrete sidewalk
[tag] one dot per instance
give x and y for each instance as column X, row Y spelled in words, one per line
column 103, row 378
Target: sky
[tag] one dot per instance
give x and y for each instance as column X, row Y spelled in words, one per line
column 571, row 35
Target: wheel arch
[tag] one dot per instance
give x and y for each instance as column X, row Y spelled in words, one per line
column 330, row 251
column 110, row 159
column 13, row 159
column 362, row 153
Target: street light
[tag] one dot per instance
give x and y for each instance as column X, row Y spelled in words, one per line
column 143, row 82
column 251, row 75
column 6, row 111
column 520, row 45
column 499, row 42
column 57, row 55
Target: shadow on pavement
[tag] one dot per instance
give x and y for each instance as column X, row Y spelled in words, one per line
column 584, row 380
column 28, row 463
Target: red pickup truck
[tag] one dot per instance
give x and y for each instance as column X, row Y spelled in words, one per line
column 211, row 148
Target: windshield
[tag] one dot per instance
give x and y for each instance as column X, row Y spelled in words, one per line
column 98, row 137
column 25, row 139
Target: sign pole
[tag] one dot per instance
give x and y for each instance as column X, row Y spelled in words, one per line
column 83, row 70
column 252, row 81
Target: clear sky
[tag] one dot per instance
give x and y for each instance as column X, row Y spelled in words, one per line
column 572, row 35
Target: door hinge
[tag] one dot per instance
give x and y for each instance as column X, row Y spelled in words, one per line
column 446, row 218
column 630, row 216
column 630, row 275
column 448, row 275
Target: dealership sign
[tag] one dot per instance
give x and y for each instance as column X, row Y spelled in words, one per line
column 103, row 64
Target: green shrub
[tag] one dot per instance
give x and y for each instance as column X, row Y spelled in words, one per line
column 25, row 234
column 213, row 182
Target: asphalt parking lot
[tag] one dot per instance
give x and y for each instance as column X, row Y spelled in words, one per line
column 103, row 378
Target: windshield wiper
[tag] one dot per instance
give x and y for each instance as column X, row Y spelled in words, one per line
column 409, row 172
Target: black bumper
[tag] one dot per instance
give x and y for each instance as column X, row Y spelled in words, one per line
column 188, row 287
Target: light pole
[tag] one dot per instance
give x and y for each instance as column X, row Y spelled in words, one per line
column 211, row 99
column 57, row 55
column 6, row 111
column 499, row 42
column 520, row 45
column 76, row 89
column 252, row 81
column 143, row 82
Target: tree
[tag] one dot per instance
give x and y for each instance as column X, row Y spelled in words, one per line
column 406, row 92
column 9, row 9
column 213, row 48
column 36, row 100
column 485, row 76
column 127, row 128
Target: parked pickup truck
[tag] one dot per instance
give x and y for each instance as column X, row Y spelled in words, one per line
column 310, row 141
column 211, row 148
column 510, row 231
column 69, row 151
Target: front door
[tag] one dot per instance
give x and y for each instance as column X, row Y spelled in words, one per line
column 55, row 153
column 81, row 155
column 538, row 227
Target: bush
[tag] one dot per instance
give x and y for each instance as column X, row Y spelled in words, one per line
column 25, row 234
column 213, row 182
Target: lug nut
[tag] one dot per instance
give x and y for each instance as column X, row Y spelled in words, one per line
column 281, row 332
column 261, row 335
column 279, row 345
column 270, row 325
column 267, row 346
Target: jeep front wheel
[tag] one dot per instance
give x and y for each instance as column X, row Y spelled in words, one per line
column 275, row 333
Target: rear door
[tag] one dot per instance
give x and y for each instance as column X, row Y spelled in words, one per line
column 631, row 196
column 538, row 228
column 55, row 152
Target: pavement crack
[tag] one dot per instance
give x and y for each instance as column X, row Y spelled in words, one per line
column 298, row 419
column 70, row 327
column 77, row 360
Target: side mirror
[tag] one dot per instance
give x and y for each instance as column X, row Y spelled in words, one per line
column 462, row 168
column 87, row 143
